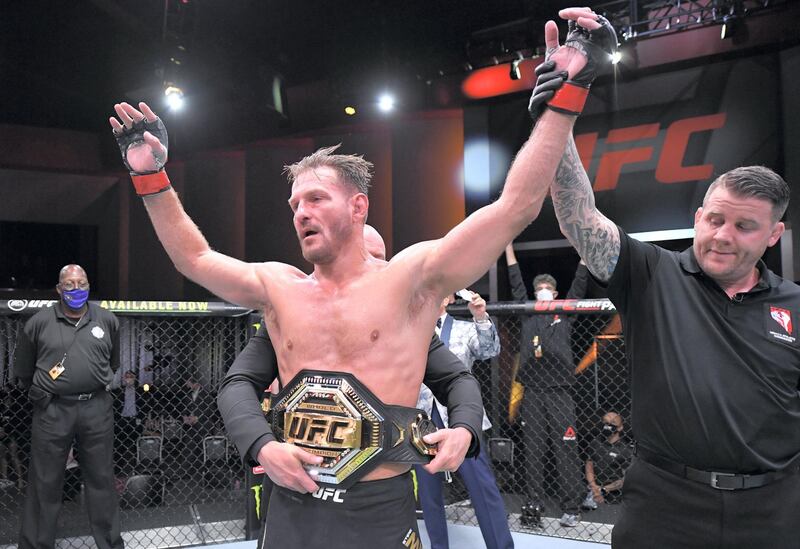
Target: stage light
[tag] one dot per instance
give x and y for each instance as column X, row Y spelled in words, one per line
column 616, row 57
column 730, row 24
column 484, row 162
column 174, row 97
column 349, row 110
column 386, row 102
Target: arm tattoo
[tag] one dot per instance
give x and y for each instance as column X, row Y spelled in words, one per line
column 591, row 233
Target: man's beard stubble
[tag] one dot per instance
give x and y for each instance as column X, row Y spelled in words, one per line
column 328, row 252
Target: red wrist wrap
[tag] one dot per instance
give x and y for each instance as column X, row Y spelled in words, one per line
column 569, row 99
column 151, row 183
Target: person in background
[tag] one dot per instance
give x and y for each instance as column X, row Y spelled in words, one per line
column 66, row 357
column 609, row 456
column 9, row 447
column 197, row 410
column 128, row 423
column 547, row 412
column 469, row 341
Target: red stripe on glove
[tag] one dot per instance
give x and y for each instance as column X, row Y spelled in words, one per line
column 569, row 99
column 151, row 183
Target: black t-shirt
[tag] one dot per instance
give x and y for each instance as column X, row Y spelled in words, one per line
column 610, row 460
column 91, row 348
column 714, row 380
column 556, row 366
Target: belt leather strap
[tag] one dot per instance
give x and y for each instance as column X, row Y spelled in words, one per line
column 78, row 396
column 720, row 481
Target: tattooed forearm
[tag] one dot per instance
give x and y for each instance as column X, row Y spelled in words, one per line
column 591, row 233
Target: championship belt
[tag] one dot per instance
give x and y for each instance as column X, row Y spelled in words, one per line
column 332, row 415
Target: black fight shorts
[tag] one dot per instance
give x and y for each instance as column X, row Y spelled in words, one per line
column 378, row 513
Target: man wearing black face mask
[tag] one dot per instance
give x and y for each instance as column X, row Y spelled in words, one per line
column 547, row 370
column 608, row 457
column 65, row 357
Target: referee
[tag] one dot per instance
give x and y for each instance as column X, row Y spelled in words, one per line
column 66, row 355
column 711, row 336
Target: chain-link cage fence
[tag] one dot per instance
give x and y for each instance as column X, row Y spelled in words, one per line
column 179, row 479
column 561, row 369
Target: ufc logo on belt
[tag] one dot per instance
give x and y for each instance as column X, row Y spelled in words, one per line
column 322, row 431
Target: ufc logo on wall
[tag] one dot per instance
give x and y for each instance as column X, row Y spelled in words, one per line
column 669, row 169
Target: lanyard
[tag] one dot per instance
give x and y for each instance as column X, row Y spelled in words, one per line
column 74, row 338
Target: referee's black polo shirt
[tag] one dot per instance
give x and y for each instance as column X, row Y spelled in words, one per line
column 714, row 380
column 91, row 360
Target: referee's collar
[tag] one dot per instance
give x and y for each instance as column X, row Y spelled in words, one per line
column 689, row 264
column 59, row 310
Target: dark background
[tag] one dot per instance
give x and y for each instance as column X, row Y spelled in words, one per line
column 65, row 64
column 266, row 83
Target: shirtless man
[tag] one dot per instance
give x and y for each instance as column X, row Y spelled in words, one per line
column 353, row 313
column 255, row 368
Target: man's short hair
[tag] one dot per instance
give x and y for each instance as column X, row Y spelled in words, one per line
column 544, row 279
column 351, row 168
column 756, row 182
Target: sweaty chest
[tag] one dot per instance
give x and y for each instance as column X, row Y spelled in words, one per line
column 346, row 327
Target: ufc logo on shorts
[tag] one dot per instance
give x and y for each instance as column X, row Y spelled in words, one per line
column 326, row 494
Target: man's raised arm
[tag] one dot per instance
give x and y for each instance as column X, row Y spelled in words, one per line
column 591, row 233
column 142, row 138
column 468, row 251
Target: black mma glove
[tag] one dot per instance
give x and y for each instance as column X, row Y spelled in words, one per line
column 597, row 46
column 150, row 181
column 548, row 81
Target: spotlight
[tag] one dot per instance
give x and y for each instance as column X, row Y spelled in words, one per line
column 616, row 57
column 174, row 97
column 515, row 73
column 730, row 24
column 386, row 102
column 349, row 110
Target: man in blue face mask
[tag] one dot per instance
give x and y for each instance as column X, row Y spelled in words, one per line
column 66, row 355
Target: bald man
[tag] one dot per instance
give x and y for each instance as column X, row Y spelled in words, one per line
column 373, row 242
column 66, row 355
